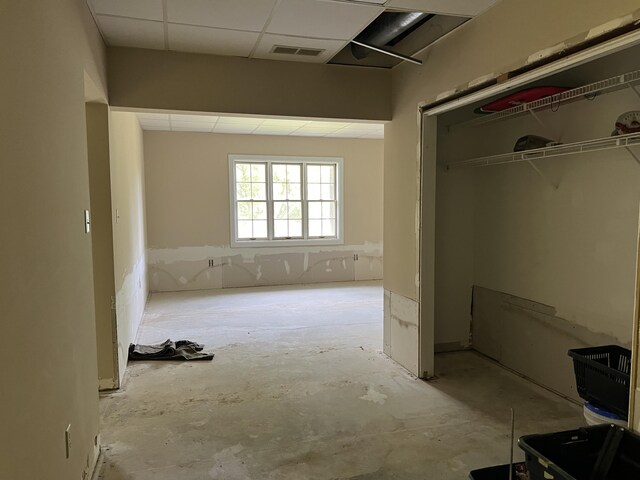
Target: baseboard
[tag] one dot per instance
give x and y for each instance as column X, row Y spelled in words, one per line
column 450, row 347
column 105, row 384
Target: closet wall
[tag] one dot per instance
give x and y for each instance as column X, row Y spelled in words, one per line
column 533, row 266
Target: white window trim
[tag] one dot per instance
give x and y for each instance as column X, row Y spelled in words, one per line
column 338, row 161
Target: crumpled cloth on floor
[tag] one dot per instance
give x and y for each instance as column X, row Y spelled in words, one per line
column 168, row 350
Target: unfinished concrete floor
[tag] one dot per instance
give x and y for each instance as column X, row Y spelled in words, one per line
column 299, row 389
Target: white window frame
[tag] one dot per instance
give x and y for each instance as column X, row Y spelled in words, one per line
column 271, row 159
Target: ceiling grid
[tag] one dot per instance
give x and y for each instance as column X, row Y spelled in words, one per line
column 252, row 28
column 259, row 126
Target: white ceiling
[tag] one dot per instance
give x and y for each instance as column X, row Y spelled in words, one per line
column 259, row 126
column 251, row 28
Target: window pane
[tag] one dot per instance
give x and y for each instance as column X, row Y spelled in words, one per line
column 280, row 228
column 294, row 191
column 313, row 191
column 328, row 228
column 259, row 211
column 258, row 172
column 244, row 229
column 295, row 228
column 259, row 229
column 328, row 174
column 243, row 191
column 279, row 173
column 315, row 210
column 280, row 210
column 245, row 212
column 295, row 210
column 243, row 172
column 327, row 191
column 315, row 228
column 293, row 173
column 258, row 191
column 279, row 191
column 328, row 210
column 313, row 174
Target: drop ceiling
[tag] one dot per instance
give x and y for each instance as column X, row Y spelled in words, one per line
column 259, row 126
column 253, row 28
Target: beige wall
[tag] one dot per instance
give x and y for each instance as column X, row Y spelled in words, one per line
column 187, row 187
column 102, row 242
column 490, row 44
column 206, row 83
column 129, row 228
column 49, row 374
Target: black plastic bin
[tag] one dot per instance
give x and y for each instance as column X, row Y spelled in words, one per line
column 499, row 472
column 601, row 452
column 602, row 376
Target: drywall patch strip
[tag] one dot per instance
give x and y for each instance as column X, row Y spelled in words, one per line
column 168, row 255
column 401, row 334
column 201, row 268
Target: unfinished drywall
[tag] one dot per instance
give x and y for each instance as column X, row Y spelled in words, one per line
column 129, row 228
column 49, row 376
column 188, row 215
column 207, row 83
column 488, row 45
column 102, row 243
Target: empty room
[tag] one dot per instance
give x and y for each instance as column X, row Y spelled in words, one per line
column 320, row 239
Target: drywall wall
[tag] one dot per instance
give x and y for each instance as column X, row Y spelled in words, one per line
column 188, row 215
column 49, row 376
column 488, row 45
column 102, row 243
column 129, row 228
column 206, row 83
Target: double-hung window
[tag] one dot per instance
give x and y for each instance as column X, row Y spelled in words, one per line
column 285, row 200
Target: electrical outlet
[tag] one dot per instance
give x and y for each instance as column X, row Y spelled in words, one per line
column 67, row 440
column 355, row 257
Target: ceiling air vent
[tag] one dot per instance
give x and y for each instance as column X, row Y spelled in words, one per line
column 305, row 52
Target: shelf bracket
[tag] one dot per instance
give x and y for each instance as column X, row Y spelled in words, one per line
column 550, row 132
column 633, row 154
column 542, row 175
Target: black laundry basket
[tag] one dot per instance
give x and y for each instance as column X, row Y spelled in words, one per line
column 499, row 472
column 601, row 452
column 602, row 376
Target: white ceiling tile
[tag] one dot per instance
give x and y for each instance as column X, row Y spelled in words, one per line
column 156, row 127
column 191, row 128
column 340, row 134
column 269, row 122
column 333, row 125
column 153, row 116
column 318, row 19
column 465, row 8
column 274, row 129
column 211, row 40
column 268, row 41
column 144, row 9
column 132, row 33
column 195, row 125
column 231, row 128
column 240, row 121
column 193, row 118
column 322, row 128
column 154, row 122
column 299, row 133
column 234, row 14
